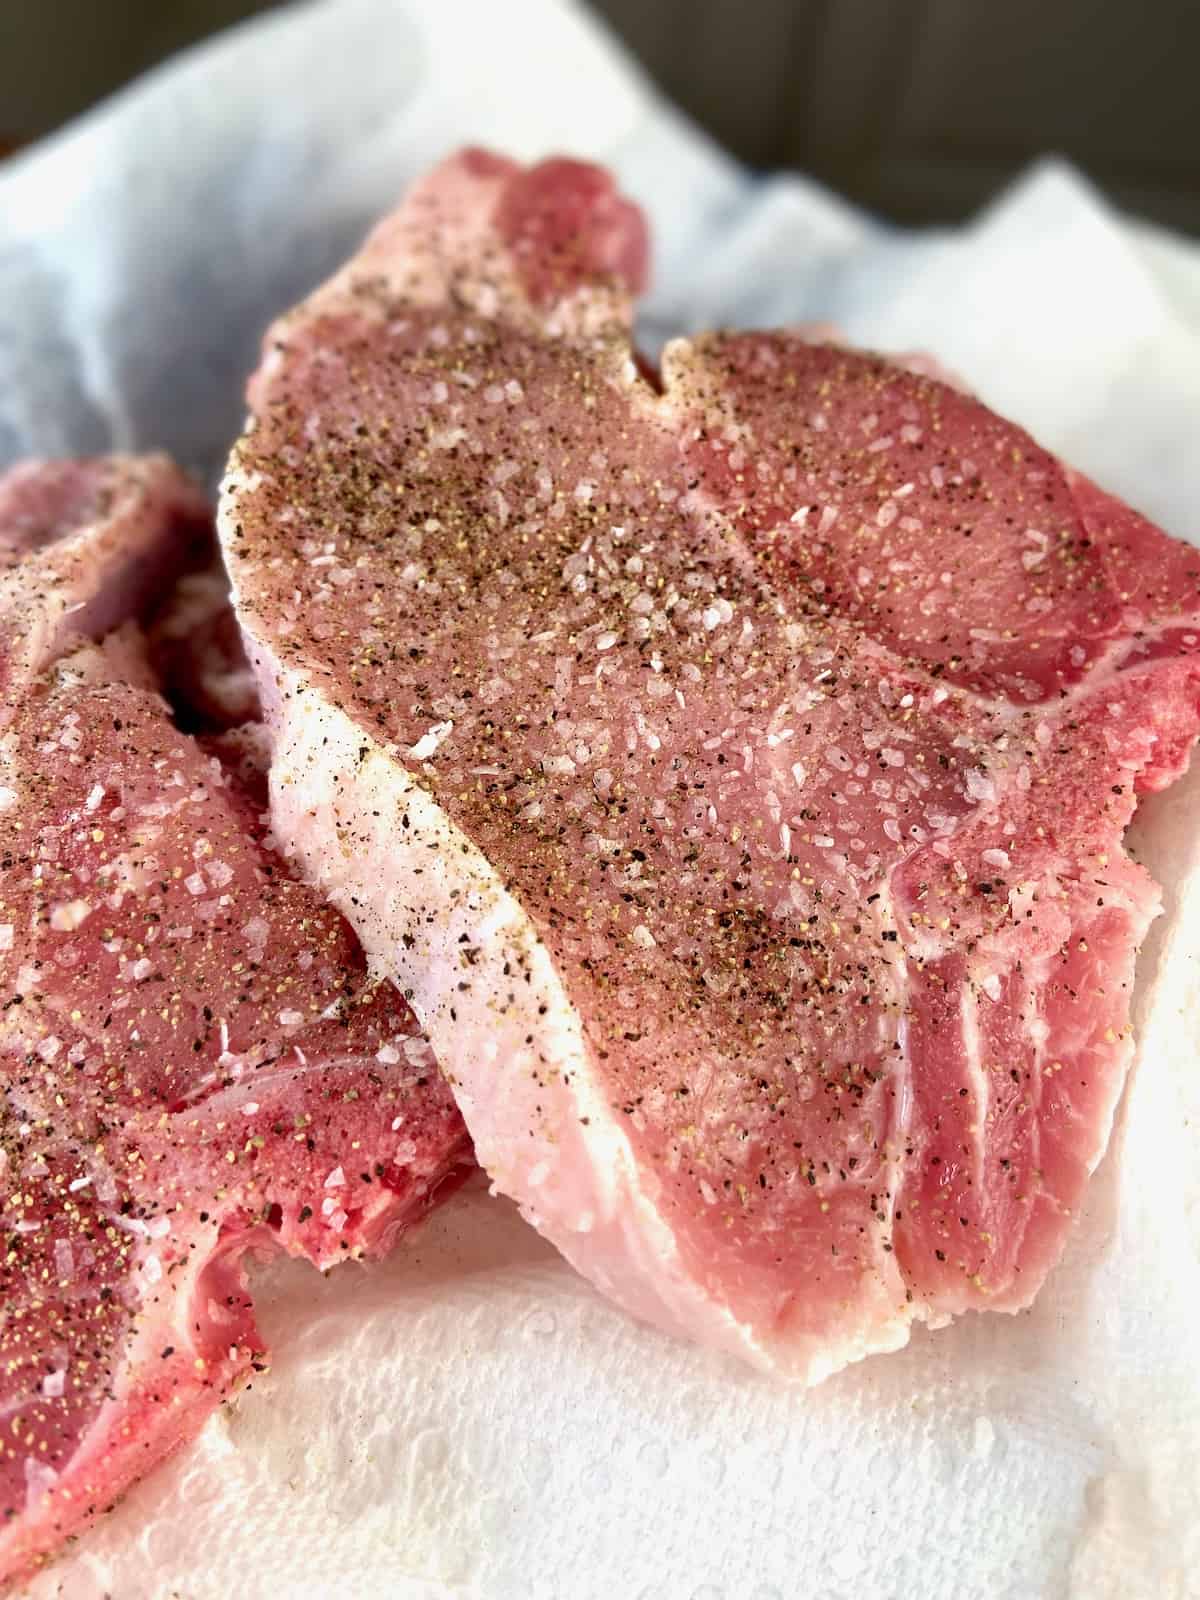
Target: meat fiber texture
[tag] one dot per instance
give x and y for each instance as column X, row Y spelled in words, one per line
column 475, row 1420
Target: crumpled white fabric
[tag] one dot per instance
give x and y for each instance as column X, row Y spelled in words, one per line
column 470, row 1419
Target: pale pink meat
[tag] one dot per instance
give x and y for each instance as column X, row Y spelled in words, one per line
column 732, row 770
column 196, row 1064
column 86, row 544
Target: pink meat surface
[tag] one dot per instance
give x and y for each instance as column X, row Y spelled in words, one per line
column 86, row 544
column 731, row 769
column 196, row 1063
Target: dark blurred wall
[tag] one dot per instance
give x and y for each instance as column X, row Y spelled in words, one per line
column 58, row 57
column 923, row 108
column 917, row 108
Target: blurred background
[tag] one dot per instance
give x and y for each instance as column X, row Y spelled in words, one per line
column 919, row 109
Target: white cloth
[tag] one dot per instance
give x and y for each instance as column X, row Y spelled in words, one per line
column 470, row 1419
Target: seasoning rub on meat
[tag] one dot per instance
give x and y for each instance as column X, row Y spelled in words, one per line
column 730, row 764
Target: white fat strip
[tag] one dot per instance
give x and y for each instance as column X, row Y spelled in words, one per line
column 888, row 1262
column 595, row 1172
column 968, row 1013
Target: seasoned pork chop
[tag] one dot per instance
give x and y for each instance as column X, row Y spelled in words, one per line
column 87, row 544
column 195, row 1061
column 731, row 769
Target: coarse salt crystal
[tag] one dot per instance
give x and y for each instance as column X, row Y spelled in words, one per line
column 195, row 884
column 430, row 740
column 68, row 915
column 6, row 935
column 387, row 1054
column 991, row 986
column 1022, row 898
column 979, row 786
column 642, row 937
column 336, row 1179
column 291, row 1019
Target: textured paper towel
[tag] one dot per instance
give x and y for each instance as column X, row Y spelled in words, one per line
column 470, row 1419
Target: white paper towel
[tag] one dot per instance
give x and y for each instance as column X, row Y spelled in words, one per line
column 470, row 1419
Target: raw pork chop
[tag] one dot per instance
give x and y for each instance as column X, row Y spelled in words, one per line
column 196, row 1063
column 732, row 770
